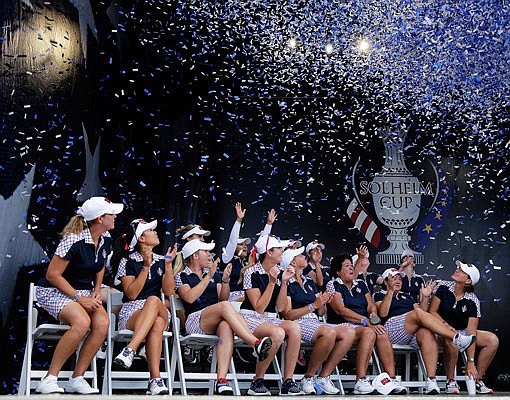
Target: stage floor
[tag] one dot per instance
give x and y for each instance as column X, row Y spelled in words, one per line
column 499, row 395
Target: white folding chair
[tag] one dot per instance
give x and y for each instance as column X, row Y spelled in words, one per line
column 45, row 331
column 129, row 379
column 195, row 341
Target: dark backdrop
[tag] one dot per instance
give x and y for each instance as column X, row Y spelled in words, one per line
column 195, row 111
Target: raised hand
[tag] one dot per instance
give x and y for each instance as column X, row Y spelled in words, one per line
column 362, row 251
column 170, row 254
column 271, row 216
column 273, row 274
column 213, row 267
column 429, row 289
column 227, row 271
column 288, row 273
column 239, row 212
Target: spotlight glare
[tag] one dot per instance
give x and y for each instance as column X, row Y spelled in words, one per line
column 364, row 45
column 292, row 43
column 329, row 48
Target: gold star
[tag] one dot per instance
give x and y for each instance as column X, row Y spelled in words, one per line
column 428, row 228
column 443, row 203
column 438, row 215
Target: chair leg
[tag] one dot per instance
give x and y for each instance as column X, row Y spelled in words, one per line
column 22, row 388
column 177, row 354
column 339, row 380
column 168, row 369
column 237, row 391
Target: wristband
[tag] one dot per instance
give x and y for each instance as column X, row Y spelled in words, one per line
column 227, row 281
column 311, row 308
column 364, row 321
column 471, row 359
column 168, row 258
column 77, row 296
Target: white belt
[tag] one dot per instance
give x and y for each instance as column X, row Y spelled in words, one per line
column 256, row 314
column 310, row 316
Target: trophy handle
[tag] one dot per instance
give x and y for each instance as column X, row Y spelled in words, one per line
column 432, row 205
column 354, row 189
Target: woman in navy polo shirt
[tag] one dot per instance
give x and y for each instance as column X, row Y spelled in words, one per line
column 361, row 263
column 352, row 305
column 71, row 291
column 266, row 293
column 456, row 304
column 315, row 270
column 188, row 232
column 411, row 282
column 144, row 274
column 407, row 324
column 199, row 286
column 331, row 342
column 236, row 251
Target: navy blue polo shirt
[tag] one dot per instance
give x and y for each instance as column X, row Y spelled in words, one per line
column 354, row 299
column 412, row 286
column 400, row 304
column 326, row 275
column 370, row 280
column 84, row 261
column 301, row 296
column 206, row 299
column 256, row 277
column 133, row 265
column 456, row 312
column 237, row 266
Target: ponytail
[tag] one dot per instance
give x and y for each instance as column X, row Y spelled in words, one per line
column 76, row 224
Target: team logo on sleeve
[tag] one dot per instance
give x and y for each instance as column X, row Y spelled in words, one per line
column 159, row 271
column 464, row 308
column 104, row 253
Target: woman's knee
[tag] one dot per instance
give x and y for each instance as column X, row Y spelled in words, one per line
column 100, row 322
column 81, row 324
column 492, row 341
column 292, row 329
column 383, row 339
column 152, row 303
column 368, row 334
column 277, row 336
column 159, row 326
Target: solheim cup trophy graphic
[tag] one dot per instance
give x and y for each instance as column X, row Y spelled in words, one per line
column 397, row 197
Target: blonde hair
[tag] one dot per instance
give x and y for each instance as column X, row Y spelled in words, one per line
column 183, row 229
column 76, row 224
column 178, row 263
column 251, row 261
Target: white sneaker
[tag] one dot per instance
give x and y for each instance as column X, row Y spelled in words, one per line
column 363, row 386
column 325, row 384
column 399, row 389
column 307, row 385
column 49, row 385
column 482, row 389
column 462, row 342
column 125, row 358
column 101, row 353
column 452, row 388
column 142, row 353
column 157, row 386
column 431, row 386
column 80, row 385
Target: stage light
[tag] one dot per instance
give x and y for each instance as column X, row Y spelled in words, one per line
column 364, row 45
column 329, row 48
column 292, row 43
